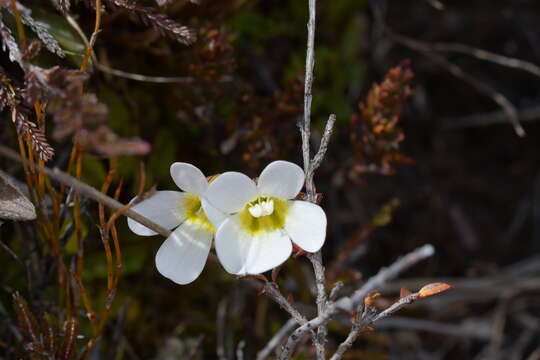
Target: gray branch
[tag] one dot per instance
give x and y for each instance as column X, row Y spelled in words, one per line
column 87, row 191
column 273, row 292
column 308, row 84
column 310, row 165
column 385, row 274
column 352, row 303
column 370, row 316
column 276, row 339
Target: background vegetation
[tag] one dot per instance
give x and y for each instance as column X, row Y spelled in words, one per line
column 429, row 155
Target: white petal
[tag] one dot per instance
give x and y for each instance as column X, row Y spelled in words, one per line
column 165, row 208
column 306, row 225
column 232, row 246
column 189, row 178
column 230, row 191
column 215, row 216
column 183, row 255
column 269, row 249
column 281, row 179
column 241, row 253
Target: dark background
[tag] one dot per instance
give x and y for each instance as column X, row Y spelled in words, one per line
column 472, row 190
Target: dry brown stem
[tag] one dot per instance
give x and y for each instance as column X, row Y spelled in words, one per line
column 86, row 190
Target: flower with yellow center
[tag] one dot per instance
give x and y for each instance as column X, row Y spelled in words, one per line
column 183, row 255
column 262, row 219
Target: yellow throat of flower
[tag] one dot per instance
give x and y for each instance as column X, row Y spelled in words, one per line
column 264, row 214
column 195, row 213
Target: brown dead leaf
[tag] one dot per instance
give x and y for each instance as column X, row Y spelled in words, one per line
column 433, row 289
column 404, row 292
column 13, row 203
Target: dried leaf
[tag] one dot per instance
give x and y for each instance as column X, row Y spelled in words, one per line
column 168, row 27
column 32, row 50
column 433, row 289
column 104, row 141
column 41, row 30
column 6, row 98
column 375, row 132
column 275, row 273
column 290, row 298
column 369, row 301
column 9, row 44
column 403, row 292
column 354, row 317
column 30, row 132
column 13, row 203
column 27, row 322
column 161, row 22
column 297, row 251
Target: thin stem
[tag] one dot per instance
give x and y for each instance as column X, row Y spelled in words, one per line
column 309, row 169
column 93, row 38
column 362, row 321
column 308, row 83
column 320, row 279
column 273, row 292
column 276, row 339
column 20, row 26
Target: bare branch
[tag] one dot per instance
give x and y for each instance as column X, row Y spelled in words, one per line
column 240, row 350
column 220, row 320
column 385, row 274
column 362, row 321
column 273, row 292
column 124, row 74
column 86, row 190
column 335, row 290
column 531, row 113
column 350, row 304
column 309, row 169
column 319, row 156
column 437, row 327
column 488, row 56
column 436, row 4
column 320, row 279
column 369, row 316
column 428, row 50
column 396, row 306
column 297, row 335
column 276, row 339
column 305, row 128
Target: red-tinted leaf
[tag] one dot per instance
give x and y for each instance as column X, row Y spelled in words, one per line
column 404, row 292
column 369, row 301
column 433, row 289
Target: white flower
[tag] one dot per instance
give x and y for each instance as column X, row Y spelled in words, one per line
column 183, row 255
column 262, row 218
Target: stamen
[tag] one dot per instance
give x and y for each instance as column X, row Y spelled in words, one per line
column 263, row 214
column 256, row 210
column 262, row 207
column 268, row 207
